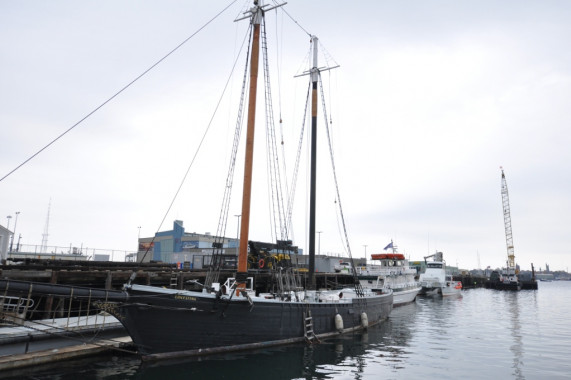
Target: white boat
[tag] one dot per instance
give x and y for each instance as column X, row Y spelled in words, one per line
column 391, row 271
column 343, row 267
column 435, row 281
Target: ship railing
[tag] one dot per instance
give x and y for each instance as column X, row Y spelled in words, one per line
column 15, row 304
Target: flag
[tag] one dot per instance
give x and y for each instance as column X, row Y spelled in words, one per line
column 390, row 245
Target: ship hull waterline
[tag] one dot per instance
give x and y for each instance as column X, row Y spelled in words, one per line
column 168, row 324
column 404, row 297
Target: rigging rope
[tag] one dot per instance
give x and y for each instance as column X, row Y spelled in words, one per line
column 358, row 287
column 278, row 220
column 196, row 153
column 216, row 263
column 291, row 195
column 117, row 93
column 294, row 20
column 276, row 198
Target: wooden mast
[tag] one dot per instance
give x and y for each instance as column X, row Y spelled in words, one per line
column 257, row 16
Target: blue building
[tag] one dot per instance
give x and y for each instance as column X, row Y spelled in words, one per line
column 187, row 249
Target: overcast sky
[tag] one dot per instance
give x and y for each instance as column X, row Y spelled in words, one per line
column 430, row 99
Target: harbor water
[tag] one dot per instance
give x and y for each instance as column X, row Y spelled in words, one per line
column 484, row 334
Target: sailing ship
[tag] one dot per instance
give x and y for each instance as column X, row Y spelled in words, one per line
column 238, row 313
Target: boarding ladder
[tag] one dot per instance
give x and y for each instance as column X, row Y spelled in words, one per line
column 174, row 280
column 310, row 336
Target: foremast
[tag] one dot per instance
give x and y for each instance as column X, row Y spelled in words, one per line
column 256, row 16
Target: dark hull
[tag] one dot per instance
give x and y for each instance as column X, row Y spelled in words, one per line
column 499, row 285
column 168, row 324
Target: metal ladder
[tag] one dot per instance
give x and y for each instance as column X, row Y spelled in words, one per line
column 174, row 280
column 310, row 336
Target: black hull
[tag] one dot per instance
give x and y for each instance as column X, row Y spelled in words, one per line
column 499, row 285
column 167, row 324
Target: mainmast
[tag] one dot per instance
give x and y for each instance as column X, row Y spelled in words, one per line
column 314, row 72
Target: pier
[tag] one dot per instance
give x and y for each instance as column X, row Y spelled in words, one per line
column 113, row 275
column 54, row 355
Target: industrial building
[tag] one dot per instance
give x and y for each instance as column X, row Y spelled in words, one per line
column 191, row 250
column 188, row 249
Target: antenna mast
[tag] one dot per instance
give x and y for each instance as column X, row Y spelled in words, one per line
column 44, row 247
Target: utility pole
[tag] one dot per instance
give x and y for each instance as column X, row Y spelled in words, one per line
column 14, row 233
column 138, row 242
column 238, row 228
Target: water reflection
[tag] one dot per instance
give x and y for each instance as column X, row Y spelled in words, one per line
column 347, row 356
column 437, row 318
column 384, row 348
column 342, row 355
column 511, row 299
column 485, row 334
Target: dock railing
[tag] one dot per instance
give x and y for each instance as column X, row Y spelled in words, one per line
column 24, row 251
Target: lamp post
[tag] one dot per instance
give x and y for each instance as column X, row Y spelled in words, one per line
column 8, row 224
column 319, row 242
column 238, row 230
column 138, row 242
column 365, row 245
column 14, row 233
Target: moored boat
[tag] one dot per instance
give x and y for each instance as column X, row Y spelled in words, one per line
column 435, row 281
column 240, row 313
column 391, row 271
column 343, row 267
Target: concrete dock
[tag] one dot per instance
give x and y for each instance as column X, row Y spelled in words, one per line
column 10, row 362
column 53, row 340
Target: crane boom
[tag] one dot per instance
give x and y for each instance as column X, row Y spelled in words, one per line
column 508, row 222
column 508, row 277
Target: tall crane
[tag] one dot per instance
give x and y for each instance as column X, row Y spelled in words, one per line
column 510, row 274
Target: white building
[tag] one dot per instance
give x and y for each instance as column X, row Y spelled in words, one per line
column 4, row 242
